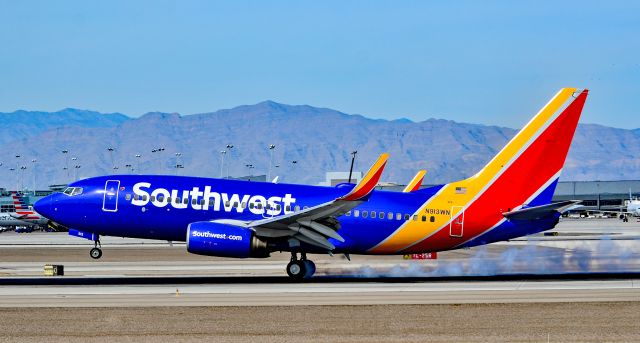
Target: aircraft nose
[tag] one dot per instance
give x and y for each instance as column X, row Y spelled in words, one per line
column 44, row 206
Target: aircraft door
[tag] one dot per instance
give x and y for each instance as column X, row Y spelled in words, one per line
column 110, row 200
column 456, row 226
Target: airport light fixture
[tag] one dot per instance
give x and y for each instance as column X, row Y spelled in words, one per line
column 159, row 150
column 222, row 153
column 34, row 161
column 65, row 152
column 272, row 147
column 138, row 162
column 229, row 147
column 76, row 171
column 22, row 169
column 353, row 159
column 250, row 166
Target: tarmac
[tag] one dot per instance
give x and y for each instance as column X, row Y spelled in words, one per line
column 581, row 283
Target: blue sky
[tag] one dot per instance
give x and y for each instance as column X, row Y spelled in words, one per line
column 477, row 61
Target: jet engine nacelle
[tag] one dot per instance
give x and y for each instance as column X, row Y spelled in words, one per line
column 213, row 239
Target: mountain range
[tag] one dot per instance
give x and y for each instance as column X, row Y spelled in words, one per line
column 318, row 139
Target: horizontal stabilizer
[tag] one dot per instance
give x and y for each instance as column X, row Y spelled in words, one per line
column 537, row 212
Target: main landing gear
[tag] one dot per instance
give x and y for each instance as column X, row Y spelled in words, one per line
column 302, row 268
column 96, row 252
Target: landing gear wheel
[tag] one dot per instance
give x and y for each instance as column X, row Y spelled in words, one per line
column 311, row 268
column 297, row 270
column 95, row 253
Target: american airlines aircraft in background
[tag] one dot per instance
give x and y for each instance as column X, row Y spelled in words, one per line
column 26, row 214
column 508, row 198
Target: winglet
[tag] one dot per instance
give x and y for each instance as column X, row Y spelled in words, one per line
column 369, row 182
column 415, row 184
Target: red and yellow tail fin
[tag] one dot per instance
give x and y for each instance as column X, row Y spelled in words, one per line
column 415, row 183
column 369, row 182
column 523, row 173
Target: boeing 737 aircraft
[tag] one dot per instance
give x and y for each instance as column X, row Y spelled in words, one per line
column 508, row 198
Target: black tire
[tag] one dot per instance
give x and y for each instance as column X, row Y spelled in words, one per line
column 95, row 253
column 311, row 268
column 297, row 270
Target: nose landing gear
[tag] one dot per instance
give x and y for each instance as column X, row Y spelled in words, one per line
column 96, row 252
column 302, row 268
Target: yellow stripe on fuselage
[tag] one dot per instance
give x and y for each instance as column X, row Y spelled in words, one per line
column 455, row 196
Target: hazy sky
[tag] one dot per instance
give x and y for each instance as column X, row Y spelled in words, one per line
column 478, row 61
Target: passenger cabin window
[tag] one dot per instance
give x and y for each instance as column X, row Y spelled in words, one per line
column 432, row 219
column 185, row 201
column 424, row 218
column 390, row 216
column 365, row 214
column 356, row 213
column 127, row 197
column 136, row 197
column 373, row 214
column 348, row 214
column 202, row 202
column 398, row 216
column 407, row 216
column 194, row 201
column 287, row 208
column 297, row 208
column 415, row 217
column 381, row 215
column 152, row 198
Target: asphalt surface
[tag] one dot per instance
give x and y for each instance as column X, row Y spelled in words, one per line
column 581, row 285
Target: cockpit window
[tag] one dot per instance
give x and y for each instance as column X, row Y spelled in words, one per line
column 71, row 191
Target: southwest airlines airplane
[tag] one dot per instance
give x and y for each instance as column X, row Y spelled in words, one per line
column 510, row 197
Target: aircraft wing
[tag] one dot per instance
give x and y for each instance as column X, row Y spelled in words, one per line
column 316, row 224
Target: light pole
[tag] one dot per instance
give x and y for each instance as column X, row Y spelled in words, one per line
column 229, row 147
column 22, row 169
column 17, row 186
column 113, row 164
column 34, row 161
column 75, row 171
column 65, row 152
column 250, row 166
column 178, row 154
column 138, row 162
column 222, row 153
column 272, row 147
column 159, row 151
column 293, row 164
column 353, row 158
column 130, row 167
column 17, row 175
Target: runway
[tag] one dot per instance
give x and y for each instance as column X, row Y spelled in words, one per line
column 148, row 273
column 261, row 292
column 581, row 285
